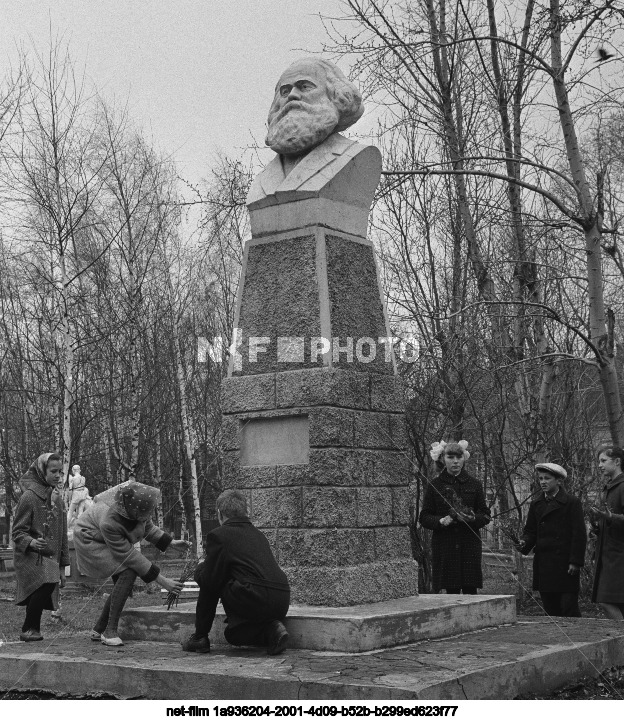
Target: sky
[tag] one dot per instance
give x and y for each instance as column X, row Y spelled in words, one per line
column 197, row 75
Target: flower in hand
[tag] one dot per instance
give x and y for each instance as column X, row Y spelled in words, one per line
column 171, row 585
column 40, row 545
column 600, row 512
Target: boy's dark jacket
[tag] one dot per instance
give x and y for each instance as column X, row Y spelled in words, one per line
column 238, row 551
column 556, row 531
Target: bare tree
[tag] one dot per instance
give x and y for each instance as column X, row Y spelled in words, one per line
column 54, row 173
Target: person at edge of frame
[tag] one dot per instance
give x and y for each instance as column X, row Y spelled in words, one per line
column 608, row 527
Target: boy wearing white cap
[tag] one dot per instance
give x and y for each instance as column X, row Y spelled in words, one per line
column 555, row 529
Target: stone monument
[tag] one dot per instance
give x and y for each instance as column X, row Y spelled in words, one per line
column 313, row 423
column 313, row 409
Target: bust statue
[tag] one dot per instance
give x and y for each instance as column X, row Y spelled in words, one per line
column 313, row 103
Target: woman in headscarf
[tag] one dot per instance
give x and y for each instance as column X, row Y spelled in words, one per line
column 39, row 541
column 104, row 538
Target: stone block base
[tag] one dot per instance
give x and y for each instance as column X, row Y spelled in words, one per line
column 349, row 629
column 531, row 657
column 350, row 585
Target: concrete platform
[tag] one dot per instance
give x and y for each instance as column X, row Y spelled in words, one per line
column 532, row 656
column 351, row 629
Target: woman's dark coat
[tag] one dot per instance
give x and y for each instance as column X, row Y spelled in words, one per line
column 455, row 549
column 609, row 576
column 556, row 530
column 40, row 513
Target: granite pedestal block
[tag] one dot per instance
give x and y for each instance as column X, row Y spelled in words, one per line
column 322, row 461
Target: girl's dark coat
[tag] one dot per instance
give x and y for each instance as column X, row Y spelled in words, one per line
column 455, row 549
column 610, row 547
column 556, row 530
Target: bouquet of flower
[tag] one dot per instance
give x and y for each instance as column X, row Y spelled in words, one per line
column 49, row 517
column 457, row 510
column 188, row 572
column 509, row 529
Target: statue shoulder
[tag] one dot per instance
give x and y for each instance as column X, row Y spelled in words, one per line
column 317, row 169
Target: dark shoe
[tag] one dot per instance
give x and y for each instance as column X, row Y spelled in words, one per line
column 30, row 635
column 277, row 636
column 194, row 644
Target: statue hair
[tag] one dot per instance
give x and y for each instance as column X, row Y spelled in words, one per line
column 341, row 91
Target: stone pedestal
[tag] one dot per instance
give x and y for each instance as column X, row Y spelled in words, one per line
column 337, row 514
column 313, row 423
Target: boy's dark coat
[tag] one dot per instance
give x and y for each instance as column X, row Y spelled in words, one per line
column 556, row 530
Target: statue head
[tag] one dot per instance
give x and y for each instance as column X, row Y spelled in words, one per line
column 313, row 99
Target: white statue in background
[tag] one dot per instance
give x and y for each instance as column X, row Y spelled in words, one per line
column 79, row 498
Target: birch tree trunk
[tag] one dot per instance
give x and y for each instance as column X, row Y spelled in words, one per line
column 187, row 432
column 181, row 501
column 68, row 372
column 158, row 476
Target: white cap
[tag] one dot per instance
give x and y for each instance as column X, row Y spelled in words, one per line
column 553, row 468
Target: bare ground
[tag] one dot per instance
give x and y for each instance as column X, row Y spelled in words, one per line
column 79, row 611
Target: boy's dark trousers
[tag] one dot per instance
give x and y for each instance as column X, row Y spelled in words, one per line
column 561, row 604
column 250, row 610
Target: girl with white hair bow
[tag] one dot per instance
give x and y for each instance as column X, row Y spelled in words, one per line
column 454, row 508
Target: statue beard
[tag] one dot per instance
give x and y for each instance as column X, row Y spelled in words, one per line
column 300, row 126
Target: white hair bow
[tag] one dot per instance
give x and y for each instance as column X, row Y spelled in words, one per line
column 437, row 449
column 464, row 446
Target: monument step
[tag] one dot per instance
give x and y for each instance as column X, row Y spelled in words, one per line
column 352, row 629
column 533, row 656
